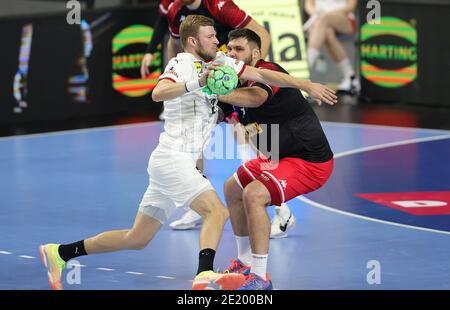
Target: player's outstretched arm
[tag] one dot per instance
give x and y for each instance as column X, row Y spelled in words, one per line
column 247, row 97
column 319, row 92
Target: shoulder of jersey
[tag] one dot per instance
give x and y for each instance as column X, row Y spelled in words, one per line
column 186, row 60
column 217, row 3
column 174, row 7
column 215, row 6
column 164, row 5
column 185, row 57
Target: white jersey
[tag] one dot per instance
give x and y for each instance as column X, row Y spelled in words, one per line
column 190, row 118
column 330, row 5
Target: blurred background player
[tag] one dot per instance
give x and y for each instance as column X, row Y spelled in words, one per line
column 328, row 18
column 226, row 14
column 304, row 164
column 159, row 31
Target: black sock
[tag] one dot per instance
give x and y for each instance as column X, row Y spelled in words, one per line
column 206, row 260
column 69, row 251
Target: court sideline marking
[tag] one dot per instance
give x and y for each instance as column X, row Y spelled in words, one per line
column 368, row 149
column 158, row 123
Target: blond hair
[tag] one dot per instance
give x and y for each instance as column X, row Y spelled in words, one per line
column 191, row 25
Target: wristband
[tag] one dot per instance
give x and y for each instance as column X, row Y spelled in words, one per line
column 192, row 85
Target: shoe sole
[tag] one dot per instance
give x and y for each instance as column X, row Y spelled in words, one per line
column 44, row 261
column 278, row 236
column 186, row 227
column 226, row 282
column 183, row 227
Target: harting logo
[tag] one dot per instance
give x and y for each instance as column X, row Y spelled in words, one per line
column 389, row 52
column 128, row 46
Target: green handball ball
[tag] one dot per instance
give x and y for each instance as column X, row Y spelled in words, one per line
column 222, row 80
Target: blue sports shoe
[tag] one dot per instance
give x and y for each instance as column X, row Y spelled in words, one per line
column 254, row 282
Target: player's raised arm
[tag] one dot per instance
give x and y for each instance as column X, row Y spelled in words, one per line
column 173, row 47
column 317, row 91
column 247, row 97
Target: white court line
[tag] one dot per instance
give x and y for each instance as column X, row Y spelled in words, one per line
column 154, row 123
column 384, row 127
column 165, row 277
column 75, row 265
column 390, row 144
column 75, row 131
column 368, row 149
column 27, row 257
column 80, row 265
column 321, row 206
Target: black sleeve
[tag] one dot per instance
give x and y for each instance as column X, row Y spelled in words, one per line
column 226, row 108
column 160, row 29
column 266, row 88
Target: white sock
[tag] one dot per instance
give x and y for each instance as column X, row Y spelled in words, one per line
column 244, row 250
column 346, row 68
column 312, row 55
column 259, row 265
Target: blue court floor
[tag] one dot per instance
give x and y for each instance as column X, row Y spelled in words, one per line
column 386, row 205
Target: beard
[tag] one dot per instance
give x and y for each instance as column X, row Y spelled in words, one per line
column 248, row 61
column 206, row 56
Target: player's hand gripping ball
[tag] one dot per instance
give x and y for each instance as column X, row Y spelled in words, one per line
column 222, row 80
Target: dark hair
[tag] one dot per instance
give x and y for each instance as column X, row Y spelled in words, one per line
column 191, row 25
column 250, row 35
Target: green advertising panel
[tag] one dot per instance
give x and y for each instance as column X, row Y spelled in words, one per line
column 389, row 52
column 128, row 48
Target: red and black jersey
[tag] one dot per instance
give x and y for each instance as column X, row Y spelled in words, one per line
column 301, row 134
column 226, row 14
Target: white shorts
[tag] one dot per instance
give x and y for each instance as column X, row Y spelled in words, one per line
column 174, row 182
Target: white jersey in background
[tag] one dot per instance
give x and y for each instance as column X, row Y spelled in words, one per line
column 190, row 118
